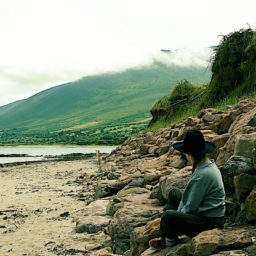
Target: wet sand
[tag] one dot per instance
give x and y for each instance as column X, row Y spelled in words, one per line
column 40, row 204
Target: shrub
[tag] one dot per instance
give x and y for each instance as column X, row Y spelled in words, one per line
column 180, row 100
column 229, row 61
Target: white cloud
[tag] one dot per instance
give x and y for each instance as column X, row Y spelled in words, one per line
column 46, row 42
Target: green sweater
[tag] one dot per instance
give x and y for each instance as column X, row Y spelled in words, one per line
column 204, row 195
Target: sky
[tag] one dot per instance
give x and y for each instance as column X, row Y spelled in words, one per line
column 45, row 43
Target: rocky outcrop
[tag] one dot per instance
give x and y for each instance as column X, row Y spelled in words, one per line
column 138, row 175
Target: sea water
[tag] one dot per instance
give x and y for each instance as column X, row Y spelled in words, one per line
column 38, row 153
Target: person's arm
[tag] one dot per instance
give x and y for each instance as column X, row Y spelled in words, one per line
column 193, row 195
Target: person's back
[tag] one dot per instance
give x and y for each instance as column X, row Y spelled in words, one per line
column 204, row 194
column 202, row 204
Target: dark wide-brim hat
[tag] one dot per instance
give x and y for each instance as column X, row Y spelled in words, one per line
column 194, row 144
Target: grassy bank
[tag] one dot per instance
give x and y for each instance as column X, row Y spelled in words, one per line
column 233, row 79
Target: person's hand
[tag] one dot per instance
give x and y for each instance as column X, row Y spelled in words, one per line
column 151, row 226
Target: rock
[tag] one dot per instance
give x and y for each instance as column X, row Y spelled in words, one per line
column 154, row 150
column 254, row 157
column 174, row 133
column 110, row 187
column 164, row 148
column 178, row 162
column 179, row 180
column 178, row 250
column 139, row 240
column 244, row 183
column 252, row 122
column 205, row 243
column 104, row 252
column 250, row 206
column 113, row 175
column 114, row 204
column 137, row 182
column 214, row 240
column 132, row 191
column 137, row 211
column 220, row 140
column 151, row 177
column 245, row 145
column 223, row 123
column 209, row 134
column 193, row 121
column 209, row 242
column 182, row 133
column 110, row 167
column 64, row 214
column 234, row 166
column 144, row 149
column 239, row 126
column 105, row 188
column 233, row 252
column 203, row 112
column 150, row 138
column 91, row 242
column 90, row 225
column 96, row 208
column 232, row 209
column 160, row 141
column 208, row 118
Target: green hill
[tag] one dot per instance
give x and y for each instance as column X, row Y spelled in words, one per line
column 94, row 101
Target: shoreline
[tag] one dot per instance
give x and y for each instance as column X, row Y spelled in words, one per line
column 55, row 145
column 56, row 158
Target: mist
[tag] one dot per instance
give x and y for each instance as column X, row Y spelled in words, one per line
column 23, row 82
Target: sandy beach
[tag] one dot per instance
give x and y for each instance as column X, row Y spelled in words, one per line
column 40, row 204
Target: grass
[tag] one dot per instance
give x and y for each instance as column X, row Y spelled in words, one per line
column 80, row 126
column 194, row 109
column 181, row 115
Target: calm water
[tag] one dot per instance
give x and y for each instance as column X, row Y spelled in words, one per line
column 37, row 153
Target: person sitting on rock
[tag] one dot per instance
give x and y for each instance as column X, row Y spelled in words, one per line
column 202, row 204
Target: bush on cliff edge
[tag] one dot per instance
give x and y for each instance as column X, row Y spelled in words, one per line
column 231, row 66
column 178, row 102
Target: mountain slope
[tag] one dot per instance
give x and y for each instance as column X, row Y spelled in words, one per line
column 100, row 99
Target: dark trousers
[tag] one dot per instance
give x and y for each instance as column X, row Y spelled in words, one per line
column 174, row 223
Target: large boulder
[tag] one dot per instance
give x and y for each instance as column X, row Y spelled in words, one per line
column 178, row 179
column 137, row 210
column 88, row 224
column 223, row 122
column 243, row 114
column 215, row 240
column 244, row 184
column 250, row 206
column 140, row 239
column 210, row 242
column 234, row 166
column 245, row 145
